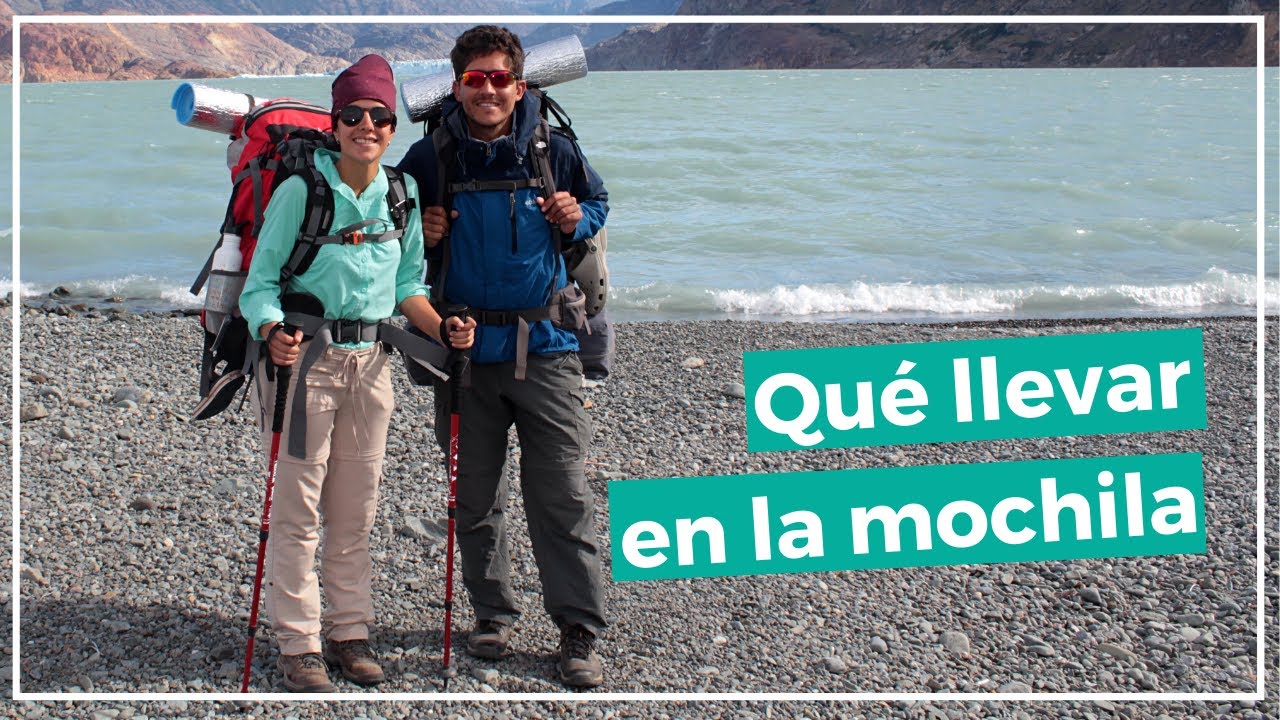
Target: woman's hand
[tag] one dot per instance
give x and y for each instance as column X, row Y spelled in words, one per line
column 282, row 346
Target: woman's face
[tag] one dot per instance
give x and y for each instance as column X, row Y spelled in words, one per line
column 364, row 142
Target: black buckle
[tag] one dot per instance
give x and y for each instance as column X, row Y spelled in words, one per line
column 495, row 317
column 346, row 331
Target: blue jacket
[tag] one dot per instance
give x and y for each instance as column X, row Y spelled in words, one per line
column 490, row 266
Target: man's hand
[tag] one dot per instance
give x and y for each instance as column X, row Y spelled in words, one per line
column 435, row 225
column 461, row 333
column 561, row 209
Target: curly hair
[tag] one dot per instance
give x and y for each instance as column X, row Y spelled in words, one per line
column 485, row 39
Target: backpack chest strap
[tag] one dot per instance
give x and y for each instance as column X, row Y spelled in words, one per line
column 354, row 234
column 504, row 185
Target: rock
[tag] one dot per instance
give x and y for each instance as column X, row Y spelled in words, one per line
column 415, row 528
column 835, row 665
column 33, row 411
column 692, row 363
column 1015, row 687
column 955, row 641
column 131, row 393
column 226, row 651
column 33, row 574
column 1116, row 651
column 484, row 675
column 879, row 645
column 1092, row 595
column 737, row 390
column 143, row 503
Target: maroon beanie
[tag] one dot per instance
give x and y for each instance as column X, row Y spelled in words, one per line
column 369, row 79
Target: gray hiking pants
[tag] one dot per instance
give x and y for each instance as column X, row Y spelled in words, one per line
column 554, row 432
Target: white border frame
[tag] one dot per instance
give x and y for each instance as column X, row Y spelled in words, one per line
column 1259, row 23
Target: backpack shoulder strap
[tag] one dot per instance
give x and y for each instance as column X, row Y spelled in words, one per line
column 550, row 109
column 445, row 146
column 540, row 148
column 318, row 215
column 399, row 204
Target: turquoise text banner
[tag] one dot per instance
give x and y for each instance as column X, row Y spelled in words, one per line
column 1058, row 385
column 907, row 517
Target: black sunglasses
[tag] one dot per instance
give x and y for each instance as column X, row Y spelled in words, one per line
column 352, row 115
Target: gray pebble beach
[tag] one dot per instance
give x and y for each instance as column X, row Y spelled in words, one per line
column 139, row 533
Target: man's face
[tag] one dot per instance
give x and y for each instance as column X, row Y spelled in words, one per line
column 488, row 107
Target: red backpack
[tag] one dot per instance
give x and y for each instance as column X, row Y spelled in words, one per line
column 277, row 140
column 262, row 149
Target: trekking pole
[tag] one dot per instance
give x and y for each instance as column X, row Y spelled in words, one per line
column 264, row 529
column 457, row 367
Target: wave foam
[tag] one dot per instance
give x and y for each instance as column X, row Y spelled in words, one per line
column 1217, row 291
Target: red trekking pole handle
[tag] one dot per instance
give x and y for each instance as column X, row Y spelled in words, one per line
column 283, row 374
column 456, row 369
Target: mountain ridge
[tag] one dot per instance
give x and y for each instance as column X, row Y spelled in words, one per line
column 95, row 51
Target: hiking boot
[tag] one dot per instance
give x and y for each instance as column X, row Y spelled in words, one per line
column 579, row 665
column 305, row 673
column 358, row 661
column 489, row 640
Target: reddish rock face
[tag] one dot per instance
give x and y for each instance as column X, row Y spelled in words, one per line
column 56, row 53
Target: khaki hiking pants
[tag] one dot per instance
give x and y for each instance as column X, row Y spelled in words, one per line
column 349, row 404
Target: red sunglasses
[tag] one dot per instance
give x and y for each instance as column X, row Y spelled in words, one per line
column 500, row 78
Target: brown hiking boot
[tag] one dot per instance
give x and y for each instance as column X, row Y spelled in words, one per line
column 305, row 673
column 489, row 640
column 580, row 666
column 358, row 661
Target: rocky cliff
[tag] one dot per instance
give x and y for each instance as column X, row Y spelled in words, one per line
column 98, row 52
column 724, row 46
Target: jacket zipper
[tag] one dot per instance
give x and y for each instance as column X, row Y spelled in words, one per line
column 513, row 221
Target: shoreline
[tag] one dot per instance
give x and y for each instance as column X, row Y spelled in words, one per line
column 132, row 515
column 61, row 302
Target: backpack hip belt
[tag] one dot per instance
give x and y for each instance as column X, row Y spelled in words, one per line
column 566, row 311
column 324, row 332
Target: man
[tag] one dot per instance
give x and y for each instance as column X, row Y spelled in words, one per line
column 500, row 257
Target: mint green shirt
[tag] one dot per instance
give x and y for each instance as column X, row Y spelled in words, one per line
column 354, row 282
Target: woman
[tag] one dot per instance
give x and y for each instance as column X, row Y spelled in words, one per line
column 346, row 392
